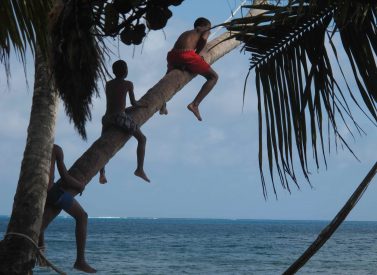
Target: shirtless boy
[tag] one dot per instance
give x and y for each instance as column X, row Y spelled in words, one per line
column 185, row 54
column 116, row 116
column 58, row 199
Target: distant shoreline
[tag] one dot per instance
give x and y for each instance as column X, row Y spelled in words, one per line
column 228, row 220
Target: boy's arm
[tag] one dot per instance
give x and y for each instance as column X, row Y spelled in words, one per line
column 132, row 96
column 68, row 180
column 202, row 42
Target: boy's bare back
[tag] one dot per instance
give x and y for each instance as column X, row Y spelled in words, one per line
column 57, row 157
column 116, row 115
column 116, row 93
column 185, row 55
column 189, row 40
column 55, row 151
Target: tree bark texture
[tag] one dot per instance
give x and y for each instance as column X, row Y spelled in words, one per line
column 17, row 254
column 104, row 148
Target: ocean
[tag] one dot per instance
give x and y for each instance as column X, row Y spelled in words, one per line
column 210, row 246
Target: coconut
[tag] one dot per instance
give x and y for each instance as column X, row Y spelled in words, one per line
column 133, row 34
column 138, row 34
column 126, row 35
column 137, row 39
column 157, row 17
column 140, row 29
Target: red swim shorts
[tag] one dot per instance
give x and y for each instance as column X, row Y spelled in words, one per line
column 189, row 59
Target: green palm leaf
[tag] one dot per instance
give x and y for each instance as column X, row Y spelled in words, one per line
column 296, row 88
column 23, row 25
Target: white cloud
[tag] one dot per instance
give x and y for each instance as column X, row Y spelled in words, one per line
column 215, row 135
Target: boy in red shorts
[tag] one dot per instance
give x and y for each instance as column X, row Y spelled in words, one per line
column 185, row 54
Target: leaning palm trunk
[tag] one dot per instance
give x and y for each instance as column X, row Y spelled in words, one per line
column 17, row 253
column 103, row 149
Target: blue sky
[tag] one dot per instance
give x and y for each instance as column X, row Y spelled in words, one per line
column 198, row 170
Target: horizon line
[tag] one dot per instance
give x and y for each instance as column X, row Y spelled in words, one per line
column 183, row 218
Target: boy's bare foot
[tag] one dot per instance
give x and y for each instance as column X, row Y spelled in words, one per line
column 141, row 174
column 102, row 179
column 40, row 260
column 194, row 108
column 83, row 266
column 163, row 110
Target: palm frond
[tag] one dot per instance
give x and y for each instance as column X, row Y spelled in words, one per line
column 23, row 25
column 76, row 61
column 295, row 83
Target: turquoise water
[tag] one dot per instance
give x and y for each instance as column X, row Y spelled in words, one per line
column 201, row 246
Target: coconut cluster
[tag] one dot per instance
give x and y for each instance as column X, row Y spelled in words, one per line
column 155, row 12
column 133, row 34
column 157, row 16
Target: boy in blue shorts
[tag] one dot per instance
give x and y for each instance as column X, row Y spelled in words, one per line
column 58, row 199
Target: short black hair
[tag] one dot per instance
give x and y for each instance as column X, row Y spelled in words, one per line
column 201, row 22
column 120, row 68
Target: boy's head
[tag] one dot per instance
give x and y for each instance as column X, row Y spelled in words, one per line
column 120, row 68
column 202, row 23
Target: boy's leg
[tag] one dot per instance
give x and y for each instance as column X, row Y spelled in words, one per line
column 212, row 78
column 102, row 176
column 163, row 109
column 141, row 142
column 81, row 217
column 49, row 214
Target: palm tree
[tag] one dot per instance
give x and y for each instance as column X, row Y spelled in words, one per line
column 17, row 253
column 24, row 24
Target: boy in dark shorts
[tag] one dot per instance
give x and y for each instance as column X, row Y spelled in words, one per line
column 116, row 116
column 58, row 199
column 185, row 54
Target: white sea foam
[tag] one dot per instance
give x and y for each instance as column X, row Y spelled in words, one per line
column 107, row 217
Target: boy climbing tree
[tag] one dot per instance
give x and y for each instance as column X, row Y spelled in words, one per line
column 116, row 115
column 59, row 199
column 185, row 54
